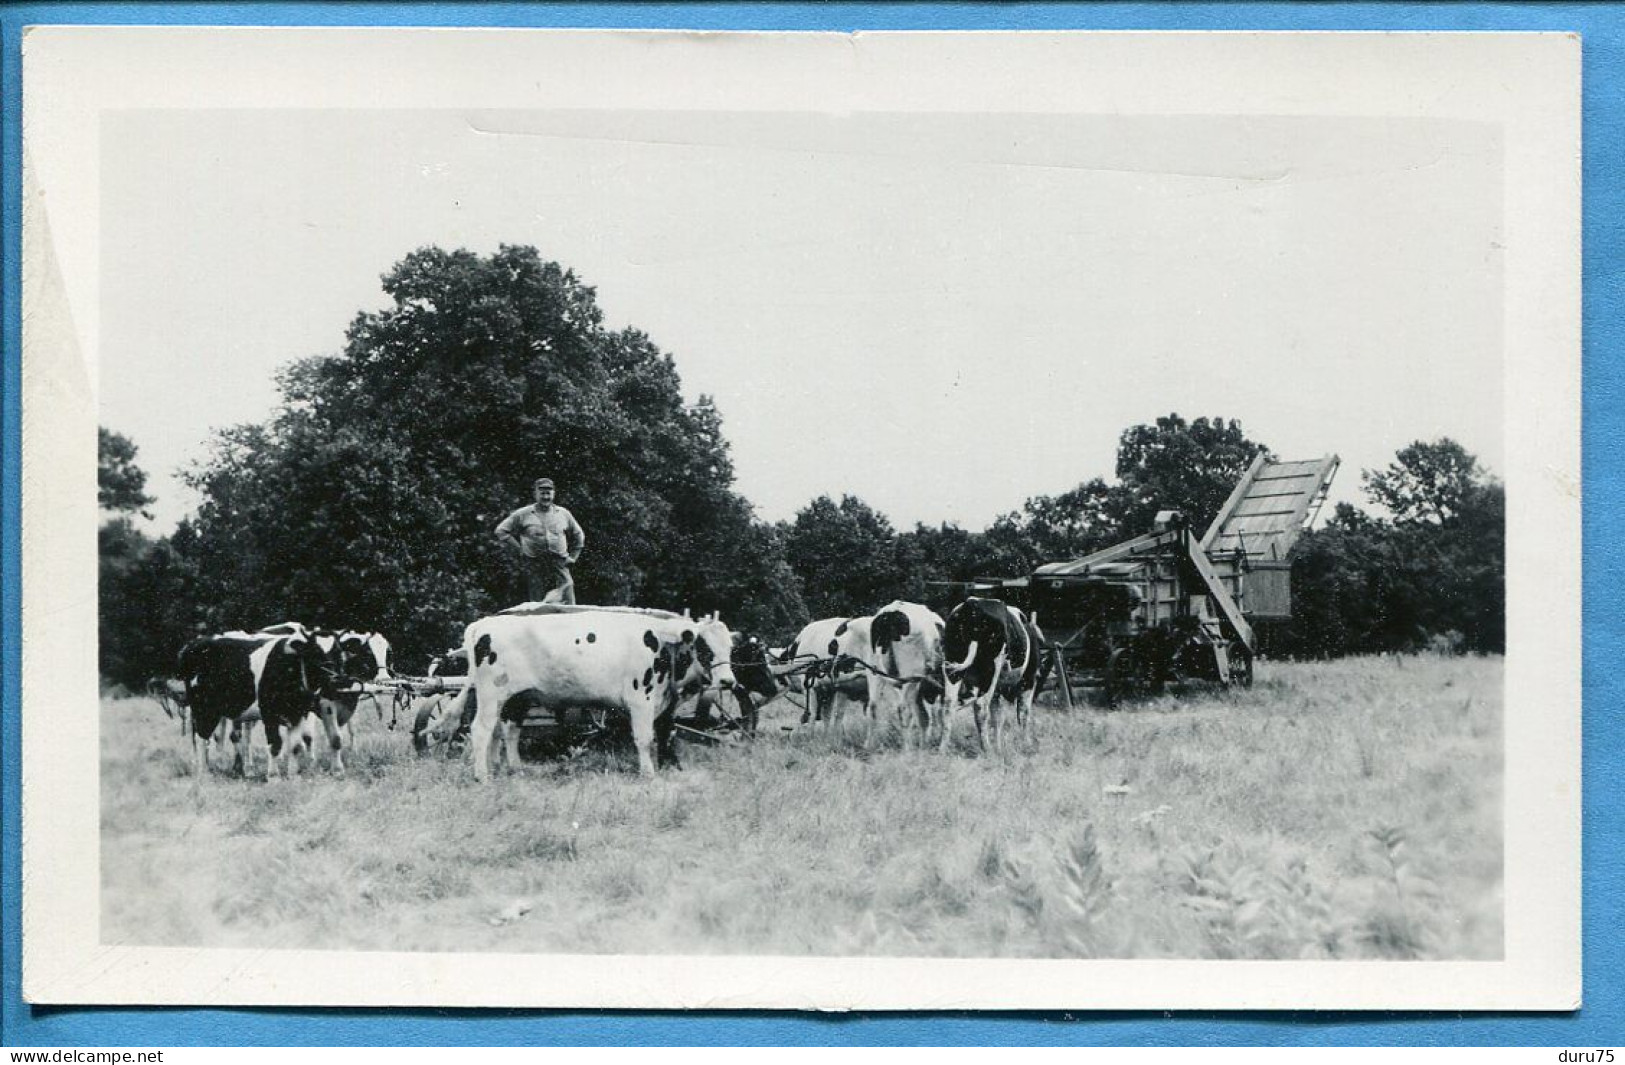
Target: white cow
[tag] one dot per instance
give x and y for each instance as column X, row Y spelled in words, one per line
column 815, row 655
column 609, row 660
column 904, row 660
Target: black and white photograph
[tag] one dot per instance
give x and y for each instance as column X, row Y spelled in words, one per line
column 879, row 521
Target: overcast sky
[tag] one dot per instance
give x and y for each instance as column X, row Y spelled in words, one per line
column 943, row 315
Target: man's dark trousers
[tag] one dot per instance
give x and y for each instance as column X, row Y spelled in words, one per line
column 544, row 573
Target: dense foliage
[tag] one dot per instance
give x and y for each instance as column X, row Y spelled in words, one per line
column 1432, row 576
column 121, row 485
column 370, row 498
column 146, row 589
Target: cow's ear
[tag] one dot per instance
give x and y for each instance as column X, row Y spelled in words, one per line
column 649, row 640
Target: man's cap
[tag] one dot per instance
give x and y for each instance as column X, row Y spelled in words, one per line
column 542, row 482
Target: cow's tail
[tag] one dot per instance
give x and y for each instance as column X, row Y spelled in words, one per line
column 970, row 656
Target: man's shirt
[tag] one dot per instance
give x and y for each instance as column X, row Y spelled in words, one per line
column 540, row 533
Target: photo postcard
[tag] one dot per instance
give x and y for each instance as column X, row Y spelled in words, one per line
column 885, row 521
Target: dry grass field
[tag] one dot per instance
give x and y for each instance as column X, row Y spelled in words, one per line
column 1347, row 809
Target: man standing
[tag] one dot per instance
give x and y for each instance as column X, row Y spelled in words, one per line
column 549, row 541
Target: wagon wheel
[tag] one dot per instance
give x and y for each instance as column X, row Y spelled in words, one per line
column 1132, row 672
column 458, row 741
column 420, row 726
column 1241, row 664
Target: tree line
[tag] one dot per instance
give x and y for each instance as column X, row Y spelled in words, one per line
column 368, row 499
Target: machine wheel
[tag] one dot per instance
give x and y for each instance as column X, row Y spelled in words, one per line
column 1134, row 671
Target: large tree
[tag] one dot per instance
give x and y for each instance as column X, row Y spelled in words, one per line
column 120, row 484
column 1427, row 482
column 944, row 554
column 1076, row 522
column 1178, row 465
column 848, row 557
column 1171, row 464
column 1430, row 574
column 369, row 499
column 146, row 597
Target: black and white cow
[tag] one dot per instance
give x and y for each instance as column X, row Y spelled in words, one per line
column 759, row 678
column 824, row 656
column 363, row 648
column 618, row 661
column 282, row 628
column 990, row 655
column 905, row 661
column 353, row 660
column 280, row 680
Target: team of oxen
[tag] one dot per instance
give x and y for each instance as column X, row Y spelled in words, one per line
column 290, row 679
column 904, row 663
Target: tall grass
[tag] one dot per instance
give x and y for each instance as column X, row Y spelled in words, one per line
column 1338, row 810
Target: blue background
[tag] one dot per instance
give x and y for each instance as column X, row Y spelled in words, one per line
column 1599, row 1023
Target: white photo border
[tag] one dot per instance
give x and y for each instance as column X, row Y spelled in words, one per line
column 1528, row 83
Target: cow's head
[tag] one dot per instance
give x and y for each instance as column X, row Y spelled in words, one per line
column 674, row 668
column 357, row 659
column 312, row 661
column 972, row 639
column 334, row 690
column 752, row 674
column 713, row 653
column 333, row 667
